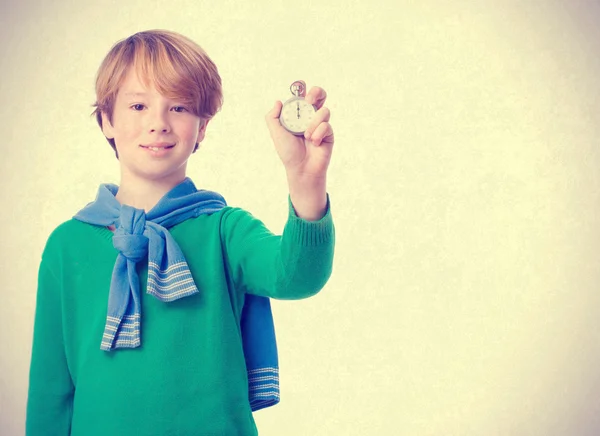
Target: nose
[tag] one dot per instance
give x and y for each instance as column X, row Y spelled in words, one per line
column 159, row 122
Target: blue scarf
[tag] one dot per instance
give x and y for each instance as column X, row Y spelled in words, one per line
column 140, row 236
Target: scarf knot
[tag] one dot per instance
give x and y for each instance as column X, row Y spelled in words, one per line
column 129, row 238
column 132, row 247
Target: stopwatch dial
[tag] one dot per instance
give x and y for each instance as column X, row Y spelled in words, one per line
column 296, row 115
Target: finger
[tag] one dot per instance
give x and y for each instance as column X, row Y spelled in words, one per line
column 316, row 96
column 321, row 116
column 272, row 117
column 323, row 133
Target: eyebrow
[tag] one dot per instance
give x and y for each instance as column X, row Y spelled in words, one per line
column 135, row 94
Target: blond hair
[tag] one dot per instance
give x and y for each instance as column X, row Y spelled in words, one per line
column 175, row 65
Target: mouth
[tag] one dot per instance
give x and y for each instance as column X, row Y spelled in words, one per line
column 158, row 150
column 158, row 147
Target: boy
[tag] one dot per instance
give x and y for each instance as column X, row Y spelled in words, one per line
column 111, row 359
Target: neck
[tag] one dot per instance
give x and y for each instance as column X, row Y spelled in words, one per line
column 144, row 194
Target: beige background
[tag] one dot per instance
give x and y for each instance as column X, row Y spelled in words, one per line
column 465, row 187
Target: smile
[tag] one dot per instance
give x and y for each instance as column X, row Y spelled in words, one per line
column 158, row 147
column 158, row 150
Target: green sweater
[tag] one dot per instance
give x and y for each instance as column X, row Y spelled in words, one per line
column 188, row 377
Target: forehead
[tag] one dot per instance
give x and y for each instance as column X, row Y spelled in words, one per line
column 133, row 85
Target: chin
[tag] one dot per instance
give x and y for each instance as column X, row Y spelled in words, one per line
column 156, row 174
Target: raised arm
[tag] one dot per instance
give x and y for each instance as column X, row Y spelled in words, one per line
column 298, row 263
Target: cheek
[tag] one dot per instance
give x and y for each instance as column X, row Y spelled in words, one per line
column 189, row 130
column 128, row 128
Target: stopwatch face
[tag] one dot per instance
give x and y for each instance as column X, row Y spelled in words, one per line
column 296, row 115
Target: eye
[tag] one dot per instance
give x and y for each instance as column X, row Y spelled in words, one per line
column 180, row 109
column 137, row 107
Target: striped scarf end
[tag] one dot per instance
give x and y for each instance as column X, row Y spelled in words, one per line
column 172, row 295
column 261, row 402
column 272, row 370
column 263, row 387
column 127, row 343
column 109, row 346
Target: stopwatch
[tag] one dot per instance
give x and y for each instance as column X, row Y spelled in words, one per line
column 297, row 113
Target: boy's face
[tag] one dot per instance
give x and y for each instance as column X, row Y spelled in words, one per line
column 154, row 135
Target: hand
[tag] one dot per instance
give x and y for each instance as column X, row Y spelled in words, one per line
column 308, row 156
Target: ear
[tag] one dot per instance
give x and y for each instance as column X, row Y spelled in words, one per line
column 107, row 127
column 202, row 130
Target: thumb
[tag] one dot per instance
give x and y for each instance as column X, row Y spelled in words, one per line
column 272, row 118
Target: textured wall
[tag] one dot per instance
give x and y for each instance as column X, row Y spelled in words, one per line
column 465, row 185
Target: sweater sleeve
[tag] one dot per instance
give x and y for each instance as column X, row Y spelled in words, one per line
column 294, row 265
column 50, row 396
